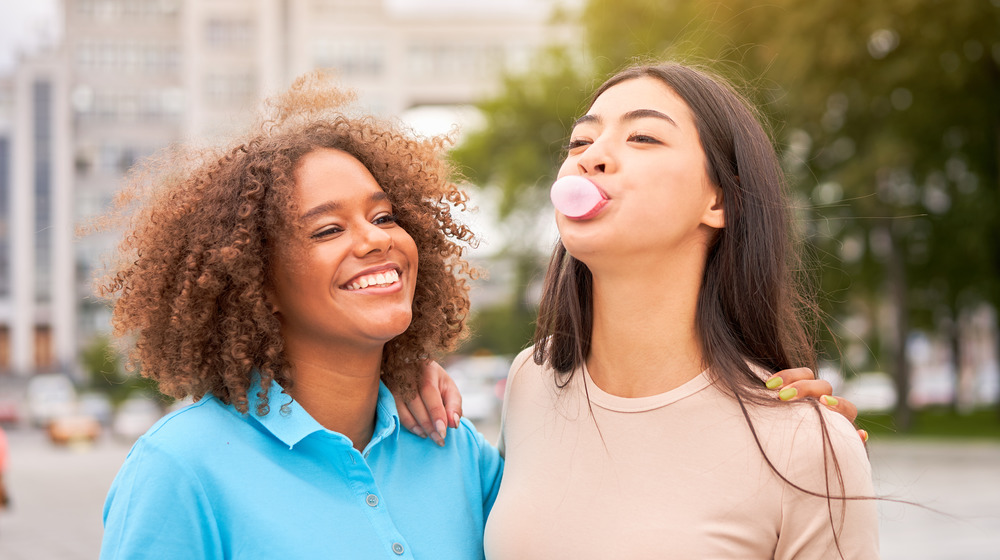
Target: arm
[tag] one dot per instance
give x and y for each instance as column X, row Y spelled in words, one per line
column 438, row 402
column 157, row 508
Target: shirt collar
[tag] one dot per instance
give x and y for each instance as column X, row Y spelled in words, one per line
column 290, row 423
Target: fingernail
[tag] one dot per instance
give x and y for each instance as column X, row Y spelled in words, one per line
column 437, row 438
column 441, row 428
column 417, row 430
column 829, row 400
column 788, row 393
column 774, row 383
column 864, row 435
column 456, row 417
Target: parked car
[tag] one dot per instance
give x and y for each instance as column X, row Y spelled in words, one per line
column 74, row 428
column 10, row 412
column 871, row 391
column 134, row 416
column 48, row 396
column 97, row 405
column 477, row 378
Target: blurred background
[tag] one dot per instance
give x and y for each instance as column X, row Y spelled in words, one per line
column 887, row 116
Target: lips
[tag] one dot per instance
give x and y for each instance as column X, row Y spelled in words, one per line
column 378, row 278
column 593, row 211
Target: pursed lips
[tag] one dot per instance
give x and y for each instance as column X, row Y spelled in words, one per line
column 380, row 278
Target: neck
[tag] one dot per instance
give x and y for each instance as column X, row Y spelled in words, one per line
column 644, row 339
column 341, row 393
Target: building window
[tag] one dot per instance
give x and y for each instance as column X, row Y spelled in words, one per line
column 42, row 121
column 147, row 105
column 350, row 57
column 449, row 61
column 237, row 87
column 4, row 225
column 127, row 56
column 229, row 33
column 111, row 10
column 43, row 348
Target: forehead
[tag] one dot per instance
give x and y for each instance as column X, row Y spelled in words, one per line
column 641, row 93
column 328, row 174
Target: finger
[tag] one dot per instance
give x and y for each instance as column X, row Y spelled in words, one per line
column 840, row 405
column 864, row 436
column 407, row 419
column 430, row 393
column 815, row 388
column 789, row 376
column 451, row 397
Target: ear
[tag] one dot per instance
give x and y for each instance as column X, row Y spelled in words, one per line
column 715, row 213
column 270, row 299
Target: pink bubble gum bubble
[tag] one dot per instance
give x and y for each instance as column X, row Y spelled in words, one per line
column 575, row 196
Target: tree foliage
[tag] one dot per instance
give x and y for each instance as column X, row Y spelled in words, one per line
column 889, row 125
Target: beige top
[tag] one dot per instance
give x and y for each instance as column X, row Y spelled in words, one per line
column 676, row 475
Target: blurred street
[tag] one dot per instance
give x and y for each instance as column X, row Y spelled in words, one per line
column 59, row 492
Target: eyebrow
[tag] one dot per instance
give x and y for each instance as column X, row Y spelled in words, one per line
column 629, row 116
column 332, row 206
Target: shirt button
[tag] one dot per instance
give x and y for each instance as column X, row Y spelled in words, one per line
column 371, row 500
column 397, row 548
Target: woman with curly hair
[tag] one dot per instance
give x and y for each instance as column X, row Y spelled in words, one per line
column 286, row 284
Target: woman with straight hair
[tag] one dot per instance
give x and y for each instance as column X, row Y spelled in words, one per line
column 640, row 424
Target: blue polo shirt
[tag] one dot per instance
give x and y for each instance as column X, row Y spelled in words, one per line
column 209, row 482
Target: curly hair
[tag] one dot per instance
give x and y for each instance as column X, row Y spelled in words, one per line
column 193, row 276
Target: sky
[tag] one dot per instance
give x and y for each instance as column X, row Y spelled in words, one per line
column 24, row 25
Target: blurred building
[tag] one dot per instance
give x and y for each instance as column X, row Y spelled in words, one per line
column 133, row 76
column 37, row 291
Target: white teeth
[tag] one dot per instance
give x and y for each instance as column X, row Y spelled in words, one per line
column 381, row 279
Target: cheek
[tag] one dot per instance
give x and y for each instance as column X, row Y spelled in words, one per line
column 408, row 247
column 566, row 168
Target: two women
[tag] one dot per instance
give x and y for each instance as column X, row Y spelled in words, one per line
column 279, row 281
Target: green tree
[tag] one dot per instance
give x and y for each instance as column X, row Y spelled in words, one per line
column 103, row 364
column 890, row 132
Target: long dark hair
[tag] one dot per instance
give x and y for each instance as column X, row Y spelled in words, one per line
column 753, row 307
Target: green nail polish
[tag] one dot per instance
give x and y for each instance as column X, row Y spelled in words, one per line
column 788, row 393
column 774, row 383
column 829, row 400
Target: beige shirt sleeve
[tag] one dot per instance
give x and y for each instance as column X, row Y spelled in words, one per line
column 838, row 466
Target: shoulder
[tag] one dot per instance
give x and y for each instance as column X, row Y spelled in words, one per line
column 523, row 367
column 484, row 453
column 808, row 440
column 186, row 431
column 524, row 359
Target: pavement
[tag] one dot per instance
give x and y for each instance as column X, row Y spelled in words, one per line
column 58, row 495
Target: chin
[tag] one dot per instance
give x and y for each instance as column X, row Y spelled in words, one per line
column 396, row 325
column 584, row 249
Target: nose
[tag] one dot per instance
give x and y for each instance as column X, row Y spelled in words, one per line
column 597, row 158
column 369, row 239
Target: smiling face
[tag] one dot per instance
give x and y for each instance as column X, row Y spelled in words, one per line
column 638, row 143
column 343, row 276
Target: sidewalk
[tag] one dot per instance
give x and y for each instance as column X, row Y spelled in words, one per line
column 59, row 493
column 960, row 479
